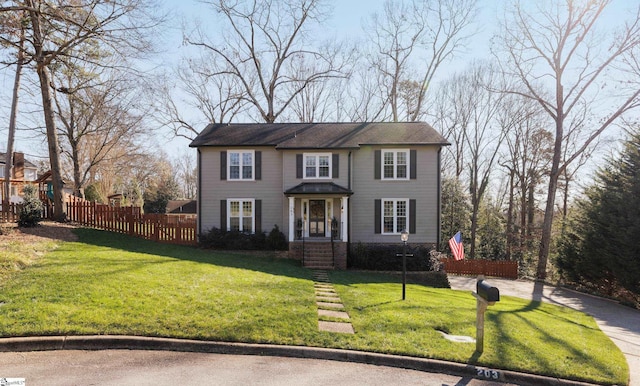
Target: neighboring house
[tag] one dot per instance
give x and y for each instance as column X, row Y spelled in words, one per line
column 182, row 207
column 22, row 172
column 372, row 179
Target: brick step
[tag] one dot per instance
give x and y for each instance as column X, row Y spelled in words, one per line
column 318, row 266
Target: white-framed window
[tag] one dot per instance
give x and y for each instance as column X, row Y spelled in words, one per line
column 395, row 215
column 1, row 170
column 395, row 164
column 241, row 215
column 240, row 165
column 317, row 165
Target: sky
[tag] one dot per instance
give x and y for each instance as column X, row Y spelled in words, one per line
column 347, row 19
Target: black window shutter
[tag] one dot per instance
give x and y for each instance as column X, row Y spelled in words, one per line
column 258, row 155
column 376, row 164
column 335, row 164
column 412, row 216
column 298, row 165
column 223, row 215
column 378, row 213
column 223, row 165
column 413, row 164
column 258, row 216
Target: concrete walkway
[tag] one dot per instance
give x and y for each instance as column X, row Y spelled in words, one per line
column 620, row 323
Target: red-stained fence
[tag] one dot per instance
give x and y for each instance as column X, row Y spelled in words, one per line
column 9, row 212
column 170, row 229
column 506, row 269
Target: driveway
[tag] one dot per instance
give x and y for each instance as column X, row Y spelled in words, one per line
column 620, row 323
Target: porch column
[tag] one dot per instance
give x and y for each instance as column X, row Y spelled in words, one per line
column 345, row 218
column 291, row 218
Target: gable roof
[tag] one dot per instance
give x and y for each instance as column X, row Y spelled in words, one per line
column 319, row 135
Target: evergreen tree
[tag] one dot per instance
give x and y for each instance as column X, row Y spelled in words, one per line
column 156, row 200
column 602, row 246
column 31, row 212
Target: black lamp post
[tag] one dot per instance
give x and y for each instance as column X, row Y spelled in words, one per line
column 404, row 236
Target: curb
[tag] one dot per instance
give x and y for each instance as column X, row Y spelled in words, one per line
column 116, row 342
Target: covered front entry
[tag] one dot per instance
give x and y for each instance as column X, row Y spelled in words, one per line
column 318, row 224
column 317, row 218
column 318, row 210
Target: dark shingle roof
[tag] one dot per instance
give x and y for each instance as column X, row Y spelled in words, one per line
column 318, row 188
column 319, row 135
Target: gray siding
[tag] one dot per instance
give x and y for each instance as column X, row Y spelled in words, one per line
column 268, row 189
column 289, row 168
column 424, row 189
column 279, row 174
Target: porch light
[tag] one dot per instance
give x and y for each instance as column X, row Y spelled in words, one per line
column 404, row 236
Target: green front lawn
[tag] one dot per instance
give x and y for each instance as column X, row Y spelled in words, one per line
column 114, row 284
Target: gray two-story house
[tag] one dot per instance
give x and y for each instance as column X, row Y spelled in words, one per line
column 325, row 185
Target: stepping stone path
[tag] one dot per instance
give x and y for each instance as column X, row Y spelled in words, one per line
column 330, row 305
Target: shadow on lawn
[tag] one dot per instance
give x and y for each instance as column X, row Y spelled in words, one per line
column 265, row 263
column 508, row 339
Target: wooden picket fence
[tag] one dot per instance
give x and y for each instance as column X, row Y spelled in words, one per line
column 163, row 228
column 506, row 269
column 9, row 212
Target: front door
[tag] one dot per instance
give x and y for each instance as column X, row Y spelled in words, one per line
column 316, row 218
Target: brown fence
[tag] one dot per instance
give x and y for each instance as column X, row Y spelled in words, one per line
column 9, row 212
column 130, row 220
column 506, row 269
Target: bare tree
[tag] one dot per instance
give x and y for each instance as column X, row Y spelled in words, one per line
column 557, row 54
column 187, row 175
column 526, row 159
column 57, row 29
column 471, row 115
column 411, row 40
column 264, row 45
column 197, row 86
column 99, row 115
column 13, row 24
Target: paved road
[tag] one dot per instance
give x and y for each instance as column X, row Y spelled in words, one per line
column 620, row 323
column 126, row 367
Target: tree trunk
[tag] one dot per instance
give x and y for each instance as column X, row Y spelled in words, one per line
column 47, row 105
column 510, row 227
column 77, row 183
column 545, row 240
column 12, row 120
column 52, row 139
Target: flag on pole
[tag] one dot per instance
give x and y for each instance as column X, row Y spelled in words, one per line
column 455, row 243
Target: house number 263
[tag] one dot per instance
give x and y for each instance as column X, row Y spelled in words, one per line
column 488, row 374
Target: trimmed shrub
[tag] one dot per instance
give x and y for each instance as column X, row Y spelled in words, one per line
column 276, row 240
column 388, row 257
column 234, row 240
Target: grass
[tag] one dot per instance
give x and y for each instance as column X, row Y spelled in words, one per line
column 113, row 284
column 16, row 255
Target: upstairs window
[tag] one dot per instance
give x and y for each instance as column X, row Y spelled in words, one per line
column 317, row 165
column 241, row 165
column 395, row 165
column 30, row 175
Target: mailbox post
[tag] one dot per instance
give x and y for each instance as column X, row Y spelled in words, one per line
column 486, row 295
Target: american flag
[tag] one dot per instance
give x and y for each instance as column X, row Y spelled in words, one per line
column 455, row 243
